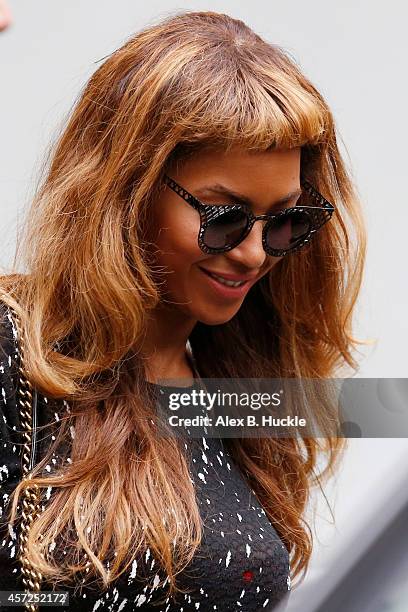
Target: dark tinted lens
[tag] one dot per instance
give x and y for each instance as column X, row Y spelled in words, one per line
column 225, row 229
column 287, row 231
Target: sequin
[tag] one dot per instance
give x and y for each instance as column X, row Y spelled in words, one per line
column 241, row 564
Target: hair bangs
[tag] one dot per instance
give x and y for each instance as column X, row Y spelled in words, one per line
column 255, row 109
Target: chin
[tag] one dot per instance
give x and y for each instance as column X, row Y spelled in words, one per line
column 216, row 318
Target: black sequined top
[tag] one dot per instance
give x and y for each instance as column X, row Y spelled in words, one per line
column 241, row 564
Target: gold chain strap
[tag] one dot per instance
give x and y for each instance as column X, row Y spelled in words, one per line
column 31, row 497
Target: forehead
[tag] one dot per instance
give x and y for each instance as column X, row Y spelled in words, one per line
column 261, row 177
column 237, row 154
column 238, row 162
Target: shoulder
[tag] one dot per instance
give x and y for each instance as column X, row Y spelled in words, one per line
column 9, row 364
column 10, row 423
column 8, row 333
column 9, row 348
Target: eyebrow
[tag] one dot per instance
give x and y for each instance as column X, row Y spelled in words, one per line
column 220, row 189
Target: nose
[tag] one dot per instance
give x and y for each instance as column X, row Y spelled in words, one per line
column 250, row 252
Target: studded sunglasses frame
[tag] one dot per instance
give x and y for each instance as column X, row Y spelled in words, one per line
column 318, row 216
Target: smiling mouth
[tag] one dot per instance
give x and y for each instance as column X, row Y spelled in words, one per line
column 231, row 282
column 225, row 281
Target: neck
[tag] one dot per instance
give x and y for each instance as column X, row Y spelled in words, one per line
column 165, row 347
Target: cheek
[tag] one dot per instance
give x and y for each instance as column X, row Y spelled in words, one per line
column 270, row 263
column 176, row 245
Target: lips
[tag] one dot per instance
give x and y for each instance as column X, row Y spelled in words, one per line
column 220, row 289
column 229, row 276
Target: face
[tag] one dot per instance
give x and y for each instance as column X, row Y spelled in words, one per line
column 263, row 178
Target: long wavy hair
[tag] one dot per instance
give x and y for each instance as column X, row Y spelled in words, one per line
column 194, row 80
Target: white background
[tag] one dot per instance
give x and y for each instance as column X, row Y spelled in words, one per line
column 355, row 52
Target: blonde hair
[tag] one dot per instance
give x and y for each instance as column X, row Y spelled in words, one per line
column 194, row 80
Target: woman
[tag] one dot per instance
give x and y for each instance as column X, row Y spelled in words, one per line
column 132, row 277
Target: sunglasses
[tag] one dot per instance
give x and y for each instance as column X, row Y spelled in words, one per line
column 224, row 226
